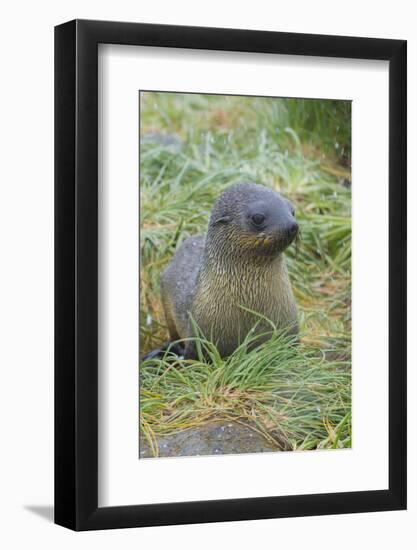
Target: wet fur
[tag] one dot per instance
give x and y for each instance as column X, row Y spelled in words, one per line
column 212, row 276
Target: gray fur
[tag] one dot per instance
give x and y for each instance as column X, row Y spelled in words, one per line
column 211, row 277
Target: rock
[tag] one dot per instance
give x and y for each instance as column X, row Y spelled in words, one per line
column 170, row 141
column 214, row 438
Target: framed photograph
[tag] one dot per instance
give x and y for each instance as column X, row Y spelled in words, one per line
column 230, row 254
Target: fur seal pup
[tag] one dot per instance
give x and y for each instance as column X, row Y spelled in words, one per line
column 238, row 265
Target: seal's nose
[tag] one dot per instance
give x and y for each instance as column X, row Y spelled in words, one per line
column 293, row 228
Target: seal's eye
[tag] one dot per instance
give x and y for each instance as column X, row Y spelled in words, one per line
column 258, row 219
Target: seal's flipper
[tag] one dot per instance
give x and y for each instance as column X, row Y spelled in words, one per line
column 154, row 354
column 170, row 347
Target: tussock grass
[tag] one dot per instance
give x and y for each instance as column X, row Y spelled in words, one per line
column 292, row 394
column 296, row 395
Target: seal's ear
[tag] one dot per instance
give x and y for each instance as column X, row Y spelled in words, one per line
column 222, row 219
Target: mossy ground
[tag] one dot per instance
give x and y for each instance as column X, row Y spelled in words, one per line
column 194, row 146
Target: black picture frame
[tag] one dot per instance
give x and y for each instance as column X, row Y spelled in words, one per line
column 76, row 272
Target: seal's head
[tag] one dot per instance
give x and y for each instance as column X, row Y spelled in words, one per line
column 250, row 218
